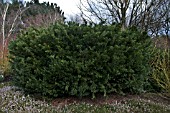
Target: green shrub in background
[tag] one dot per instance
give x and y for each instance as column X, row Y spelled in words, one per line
column 161, row 68
column 80, row 60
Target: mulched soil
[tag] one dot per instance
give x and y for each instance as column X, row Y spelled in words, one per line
column 110, row 99
column 157, row 98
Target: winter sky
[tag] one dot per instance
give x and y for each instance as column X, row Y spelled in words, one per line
column 68, row 6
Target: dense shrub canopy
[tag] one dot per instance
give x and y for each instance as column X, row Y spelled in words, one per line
column 80, row 60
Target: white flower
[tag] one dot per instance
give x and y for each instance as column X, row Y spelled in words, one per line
column 2, row 76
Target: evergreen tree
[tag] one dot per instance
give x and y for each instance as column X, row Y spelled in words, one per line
column 36, row 1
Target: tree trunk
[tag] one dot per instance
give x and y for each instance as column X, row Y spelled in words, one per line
column 2, row 57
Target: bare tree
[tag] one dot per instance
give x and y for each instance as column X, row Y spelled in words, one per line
column 76, row 18
column 164, row 11
column 10, row 20
column 141, row 13
column 3, row 38
column 43, row 14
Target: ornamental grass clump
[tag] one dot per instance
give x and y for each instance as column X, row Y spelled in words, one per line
column 80, row 60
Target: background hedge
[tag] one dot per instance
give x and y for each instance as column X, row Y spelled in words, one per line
column 81, row 60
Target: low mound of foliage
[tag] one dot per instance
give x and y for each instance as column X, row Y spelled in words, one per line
column 80, row 60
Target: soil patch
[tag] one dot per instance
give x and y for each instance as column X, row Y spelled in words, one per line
column 111, row 99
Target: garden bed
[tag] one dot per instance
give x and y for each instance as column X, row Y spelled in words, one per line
column 13, row 99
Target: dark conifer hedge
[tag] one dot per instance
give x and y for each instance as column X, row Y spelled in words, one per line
column 81, row 60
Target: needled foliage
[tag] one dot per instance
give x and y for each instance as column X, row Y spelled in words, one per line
column 81, row 60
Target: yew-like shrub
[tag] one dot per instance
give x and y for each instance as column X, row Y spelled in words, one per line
column 80, row 60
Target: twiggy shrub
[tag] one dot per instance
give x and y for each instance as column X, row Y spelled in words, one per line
column 161, row 68
column 4, row 66
column 81, row 60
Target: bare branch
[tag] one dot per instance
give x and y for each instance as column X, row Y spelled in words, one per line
column 3, row 30
column 19, row 13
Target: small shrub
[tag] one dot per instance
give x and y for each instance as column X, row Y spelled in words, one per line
column 161, row 68
column 80, row 60
column 4, row 66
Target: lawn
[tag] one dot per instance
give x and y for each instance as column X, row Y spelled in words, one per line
column 13, row 100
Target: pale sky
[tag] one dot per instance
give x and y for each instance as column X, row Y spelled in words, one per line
column 68, row 6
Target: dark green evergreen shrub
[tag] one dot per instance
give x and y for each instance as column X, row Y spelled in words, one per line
column 80, row 60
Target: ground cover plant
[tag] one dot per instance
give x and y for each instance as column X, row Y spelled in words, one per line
column 13, row 100
column 81, row 60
